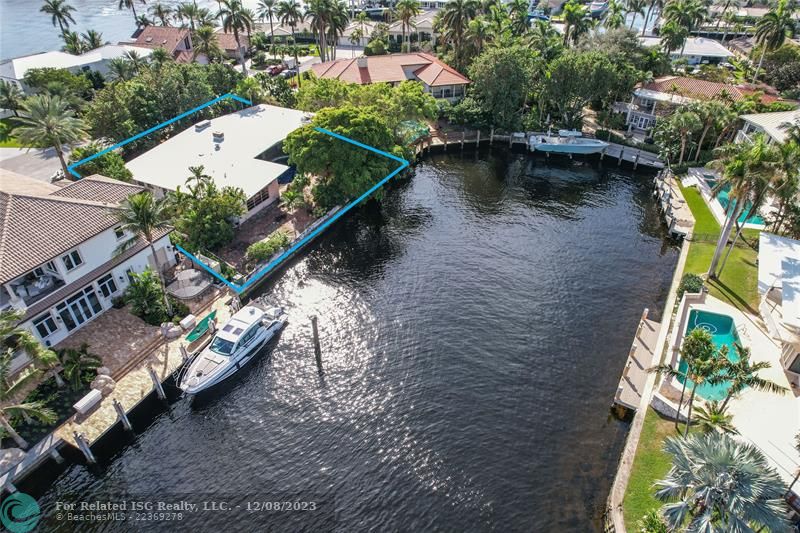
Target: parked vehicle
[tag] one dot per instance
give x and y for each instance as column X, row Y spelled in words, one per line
column 275, row 70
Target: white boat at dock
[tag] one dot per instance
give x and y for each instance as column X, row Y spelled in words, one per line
column 567, row 142
column 598, row 8
column 233, row 345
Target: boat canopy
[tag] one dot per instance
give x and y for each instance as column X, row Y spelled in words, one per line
column 570, row 133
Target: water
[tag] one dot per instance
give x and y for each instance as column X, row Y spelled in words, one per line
column 722, row 196
column 474, row 327
column 723, row 333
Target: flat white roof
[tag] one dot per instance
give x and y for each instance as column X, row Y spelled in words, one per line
column 231, row 162
column 779, row 266
column 773, row 123
column 17, row 67
column 695, row 46
column 661, row 97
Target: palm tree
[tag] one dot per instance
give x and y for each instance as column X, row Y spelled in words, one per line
column 673, row 36
column 545, row 39
column 143, row 21
column 635, row 7
column 651, row 5
column 686, row 13
column 518, row 11
column 615, row 16
column 129, row 4
column 190, row 12
column 574, row 18
column 319, row 13
column 742, row 374
column 355, row 39
column 144, row 216
column 11, row 96
column 161, row 12
column 60, row 12
column 92, row 39
column 685, row 123
column 120, row 69
column 49, row 121
column 76, row 361
column 72, row 43
column 159, row 56
column 773, row 28
column 236, row 19
column 136, row 59
column 719, row 484
column 697, row 350
column 405, row 11
column 291, row 14
column 713, row 417
column 204, row 41
column 707, row 111
column 267, row 10
column 455, row 19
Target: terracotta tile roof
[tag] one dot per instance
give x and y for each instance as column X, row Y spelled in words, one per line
column 35, row 227
column 391, row 68
column 183, row 56
column 227, row 41
column 161, row 37
column 701, row 89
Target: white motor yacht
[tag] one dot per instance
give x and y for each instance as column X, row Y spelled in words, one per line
column 567, row 142
column 233, row 345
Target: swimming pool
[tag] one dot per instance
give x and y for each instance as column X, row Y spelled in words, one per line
column 722, row 197
column 723, row 333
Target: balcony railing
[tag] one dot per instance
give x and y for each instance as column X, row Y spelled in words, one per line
column 32, row 288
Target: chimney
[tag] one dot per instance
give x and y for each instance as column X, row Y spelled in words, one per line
column 362, row 61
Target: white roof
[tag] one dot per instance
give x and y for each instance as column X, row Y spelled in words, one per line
column 695, row 46
column 661, row 97
column 773, row 123
column 779, row 266
column 17, row 67
column 247, row 133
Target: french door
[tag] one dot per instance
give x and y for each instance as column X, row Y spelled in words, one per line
column 80, row 308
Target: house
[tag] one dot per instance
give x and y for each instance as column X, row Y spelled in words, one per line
column 698, row 50
column 227, row 41
column 421, row 30
column 14, row 70
column 438, row 79
column 779, row 288
column 57, row 252
column 237, row 150
column 662, row 95
column 176, row 41
column 774, row 125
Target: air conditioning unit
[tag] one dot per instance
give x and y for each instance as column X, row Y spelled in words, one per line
column 200, row 126
column 218, row 136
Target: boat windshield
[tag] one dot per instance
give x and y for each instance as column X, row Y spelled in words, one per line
column 221, row 346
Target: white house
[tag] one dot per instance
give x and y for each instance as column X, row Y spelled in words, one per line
column 698, row 50
column 13, row 70
column 57, row 252
column 236, row 150
column 774, row 125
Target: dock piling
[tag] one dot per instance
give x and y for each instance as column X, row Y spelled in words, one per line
column 445, row 141
column 463, row 134
column 83, row 445
column 157, row 382
column 317, row 347
column 184, row 353
column 56, row 456
column 491, row 136
column 478, row 142
column 636, row 160
column 123, row 416
column 619, row 159
column 10, row 487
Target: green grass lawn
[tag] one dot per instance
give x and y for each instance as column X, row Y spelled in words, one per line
column 6, row 139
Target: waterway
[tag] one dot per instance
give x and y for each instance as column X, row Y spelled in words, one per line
column 474, row 326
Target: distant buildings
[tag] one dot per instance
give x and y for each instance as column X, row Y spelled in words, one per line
column 773, row 125
column 57, row 260
column 236, row 150
column 437, row 78
column 178, row 42
column 698, row 50
column 14, row 70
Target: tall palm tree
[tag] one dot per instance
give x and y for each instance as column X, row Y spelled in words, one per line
column 92, row 39
column 189, row 12
column 634, row 7
column 130, row 4
column 267, row 10
column 11, row 97
column 355, row 39
column 653, row 4
column 235, row 18
column 518, row 11
column 742, row 374
column 291, row 14
column 120, row 69
column 719, row 484
column 144, row 216
column 339, row 20
column 574, row 19
column 707, row 111
column 319, row 14
column 204, row 41
column 455, row 18
column 543, row 38
column 48, row 120
column 687, row 14
column 136, row 59
column 615, row 16
column 161, row 12
column 685, row 123
column 713, row 417
column 406, row 10
column 774, row 27
column 159, row 56
column 673, row 36
column 73, row 43
column 60, row 12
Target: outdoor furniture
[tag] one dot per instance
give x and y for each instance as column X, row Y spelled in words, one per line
column 201, row 328
column 88, row 402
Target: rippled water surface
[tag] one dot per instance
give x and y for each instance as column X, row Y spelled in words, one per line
column 474, row 328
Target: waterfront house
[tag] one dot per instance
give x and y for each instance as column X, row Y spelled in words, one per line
column 57, row 252
column 14, row 70
column 697, row 51
column 176, row 41
column 779, row 288
column 438, row 78
column 421, row 30
column 774, row 125
column 240, row 150
column 661, row 96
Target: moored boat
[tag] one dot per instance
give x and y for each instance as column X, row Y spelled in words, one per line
column 567, row 142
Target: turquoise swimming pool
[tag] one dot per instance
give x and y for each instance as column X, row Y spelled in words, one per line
column 723, row 332
column 722, row 196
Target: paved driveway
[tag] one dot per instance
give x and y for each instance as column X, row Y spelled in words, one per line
column 34, row 163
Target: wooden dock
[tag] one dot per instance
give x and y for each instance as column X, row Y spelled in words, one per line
column 640, row 359
column 45, row 449
column 676, row 211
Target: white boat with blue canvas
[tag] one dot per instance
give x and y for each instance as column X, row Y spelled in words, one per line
column 567, row 142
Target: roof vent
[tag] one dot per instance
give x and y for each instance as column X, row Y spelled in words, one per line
column 362, row 62
column 149, row 40
column 218, row 136
column 200, row 126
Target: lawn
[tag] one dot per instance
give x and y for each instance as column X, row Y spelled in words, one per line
column 6, row 139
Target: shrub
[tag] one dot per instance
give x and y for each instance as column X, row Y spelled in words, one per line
column 109, row 164
column 262, row 250
column 690, row 283
column 145, row 297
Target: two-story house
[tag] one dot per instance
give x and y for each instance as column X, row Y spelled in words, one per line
column 437, row 78
column 58, row 252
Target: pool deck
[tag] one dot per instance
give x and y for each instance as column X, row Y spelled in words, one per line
column 640, row 359
column 694, row 178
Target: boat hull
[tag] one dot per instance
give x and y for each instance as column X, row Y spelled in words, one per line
column 570, row 148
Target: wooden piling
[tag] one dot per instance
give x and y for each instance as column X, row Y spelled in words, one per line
column 83, row 445
column 55, row 455
column 619, row 159
column 491, row 136
column 184, row 353
column 602, row 154
column 636, row 160
column 123, row 416
column 317, row 347
column 157, row 383
column 463, row 134
column 478, row 142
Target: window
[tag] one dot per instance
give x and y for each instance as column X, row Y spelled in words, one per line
column 72, row 260
column 119, row 233
column 245, row 339
column 45, row 325
column 129, row 272
column 107, row 285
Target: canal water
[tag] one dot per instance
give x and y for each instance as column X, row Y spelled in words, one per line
column 474, row 327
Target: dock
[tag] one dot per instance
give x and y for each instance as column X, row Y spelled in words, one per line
column 677, row 214
column 640, row 359
column 45, row 449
